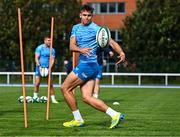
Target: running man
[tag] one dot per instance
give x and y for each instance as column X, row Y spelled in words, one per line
column 83, row 40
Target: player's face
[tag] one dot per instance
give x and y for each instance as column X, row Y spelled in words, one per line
column 47, row 41
column 86, row 17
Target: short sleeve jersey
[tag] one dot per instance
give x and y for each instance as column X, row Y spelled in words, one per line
column 44, row 53
column 86, row 38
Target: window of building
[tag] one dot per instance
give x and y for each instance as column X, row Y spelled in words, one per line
column 103, row 7
column 115, row 34
column 121, row 7
column 106, row 8
column 95, row 7
column 112, row 7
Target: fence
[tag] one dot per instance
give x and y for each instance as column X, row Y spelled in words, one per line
column 167, row 80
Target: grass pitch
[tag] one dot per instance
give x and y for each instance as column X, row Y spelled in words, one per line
column 148, row 112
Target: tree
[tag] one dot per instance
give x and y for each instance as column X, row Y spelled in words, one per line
column 36, row 23
column 8, row 33
column 151, row 36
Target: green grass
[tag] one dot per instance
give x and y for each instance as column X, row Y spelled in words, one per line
column 148, row 112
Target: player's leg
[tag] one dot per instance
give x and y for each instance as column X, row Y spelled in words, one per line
column 37, row 82
column 53, row 99
column 97, row 81
column 96, row 88
column 71, row 82
column 36, row 86
column 86, row 90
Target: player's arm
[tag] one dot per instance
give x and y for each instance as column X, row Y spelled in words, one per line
column 73, row 47
column 53, row 58
column 117, row 48
column 37, row 60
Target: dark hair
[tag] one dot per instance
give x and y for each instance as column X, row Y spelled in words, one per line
column 46, row 36
column 87, row 8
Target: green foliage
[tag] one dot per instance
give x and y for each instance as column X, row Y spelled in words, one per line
column 151, row 36
column 36, row 23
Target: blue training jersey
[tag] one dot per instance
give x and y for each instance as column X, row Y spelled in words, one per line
column 86, row 38
column 44, row 53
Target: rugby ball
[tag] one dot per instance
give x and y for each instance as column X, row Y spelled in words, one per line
column 43, row 99
column 21, row 99
column 44, row 72
column 115, row 103
column 103, row 36
column 35, row 100
column 29, row 99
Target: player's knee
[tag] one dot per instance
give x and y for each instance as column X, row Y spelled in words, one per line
column 63, row 89
column 86, row 99
column 66, row 89
column 37, row 84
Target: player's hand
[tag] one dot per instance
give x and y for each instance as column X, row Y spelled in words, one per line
column 121, row 58
column 111, row 54
column 85, row 51
column 40, row 68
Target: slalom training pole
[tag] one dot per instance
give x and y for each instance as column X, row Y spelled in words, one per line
column 49, row 76
column 22, row 68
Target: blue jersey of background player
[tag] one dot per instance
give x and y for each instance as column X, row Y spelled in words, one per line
column 42, row 56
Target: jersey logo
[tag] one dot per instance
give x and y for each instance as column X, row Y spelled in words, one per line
column 84, row 75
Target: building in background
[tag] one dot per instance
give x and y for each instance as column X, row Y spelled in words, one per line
column 111, row 13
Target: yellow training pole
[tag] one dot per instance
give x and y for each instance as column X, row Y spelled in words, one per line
column 22, row 67
column 49, row 76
